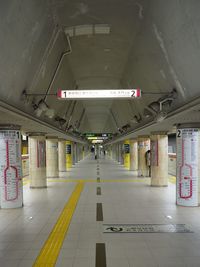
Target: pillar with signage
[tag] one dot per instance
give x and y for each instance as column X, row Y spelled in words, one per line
column 52, row 157
column 188, row 165
column 68, row 154
column 37, row 160
column 133, row 155
column 143, row 146
column 11, row 191
column 159, row 159
column 127, row 154
column 61, row 158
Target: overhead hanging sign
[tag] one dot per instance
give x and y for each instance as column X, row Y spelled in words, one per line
column 100, row 93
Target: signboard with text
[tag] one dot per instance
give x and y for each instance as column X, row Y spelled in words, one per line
column 187, row 167
column 100, row 93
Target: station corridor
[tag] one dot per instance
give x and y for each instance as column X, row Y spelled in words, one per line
column 110, row 195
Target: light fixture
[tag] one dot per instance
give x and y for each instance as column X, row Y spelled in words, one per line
column 161, row 116
column 60, row 120
column 42, row 105
column 126, row 127
column 50, row 113
column 147, row 113
column 136, row 119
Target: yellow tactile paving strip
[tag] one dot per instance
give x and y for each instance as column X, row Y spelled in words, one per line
column 50, row 251
column 172, row 179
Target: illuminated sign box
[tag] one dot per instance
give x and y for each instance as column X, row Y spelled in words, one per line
column 101, row 93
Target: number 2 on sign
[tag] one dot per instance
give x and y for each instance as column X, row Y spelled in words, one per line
column 133, row 93
column 179, row 133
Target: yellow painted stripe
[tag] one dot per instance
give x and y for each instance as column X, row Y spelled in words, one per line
column 50, row 251
column 172, row 179
column 25, row 181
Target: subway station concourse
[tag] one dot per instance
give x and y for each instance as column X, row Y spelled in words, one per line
column 100, row 133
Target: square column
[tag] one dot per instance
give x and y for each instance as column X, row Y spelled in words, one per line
column 143, row 147
column 159, row 159
column 52, row 157
column 37, row 160
column 68, row 147
column 133, row 155
column 127, row 154
column 61, row 158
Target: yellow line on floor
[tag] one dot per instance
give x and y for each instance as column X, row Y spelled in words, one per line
column 50, row 251
column 172, row 179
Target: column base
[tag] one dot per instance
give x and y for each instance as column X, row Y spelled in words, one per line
column 62, row 173
column 38, row 187
column 159, row 185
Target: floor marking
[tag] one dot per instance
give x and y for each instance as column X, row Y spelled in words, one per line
column 172, row 179
column 146, row 228
column 99, row 212
column 50, row 251
column 100, row 255
column 98, row 191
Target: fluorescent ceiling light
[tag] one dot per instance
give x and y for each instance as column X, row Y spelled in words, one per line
column 101, row 93
column 88, row 29
column 24, row 137
column 83, row 30
column 97, row 141
column 101, row 29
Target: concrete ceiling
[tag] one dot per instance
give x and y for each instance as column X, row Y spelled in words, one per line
column 153, row 45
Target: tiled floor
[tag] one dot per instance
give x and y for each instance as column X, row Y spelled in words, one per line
column 23, row 231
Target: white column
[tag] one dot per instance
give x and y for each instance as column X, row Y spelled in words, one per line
column 143, row 146
column 188, row 164
column 11, row 191
column 61, row 157
column 37, row 160
column 52, row 157
column 133, row 155
column 159, row 159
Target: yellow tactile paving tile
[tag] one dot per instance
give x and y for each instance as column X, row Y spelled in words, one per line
column 172, row 179
column 50, row 251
